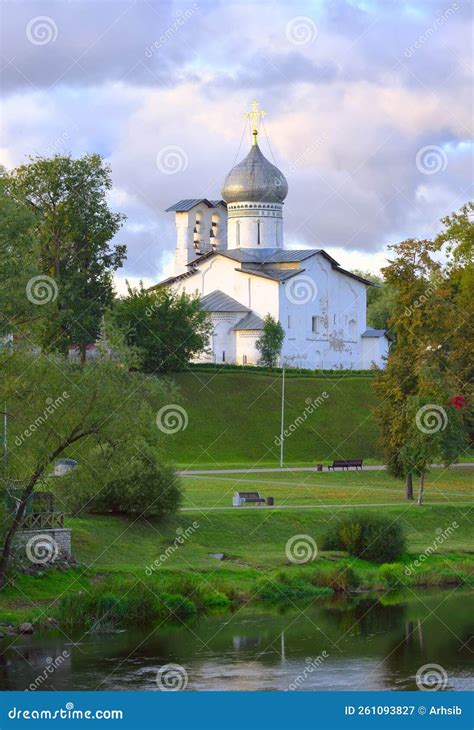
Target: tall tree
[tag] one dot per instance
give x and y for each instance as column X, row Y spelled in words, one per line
column 73, row 254
column 167, row 329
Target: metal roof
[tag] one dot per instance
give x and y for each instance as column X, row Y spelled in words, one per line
column 273, row 274
column 371, row 332
column 265, row 255
column 255, row 179
column 251, row 321
column 217, row 301
column 188, row 203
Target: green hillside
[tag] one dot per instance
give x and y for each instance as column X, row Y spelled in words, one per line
column 234, row 418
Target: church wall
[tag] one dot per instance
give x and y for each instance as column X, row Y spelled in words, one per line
column 374, row 349
column 338, row 302
column 246, row 352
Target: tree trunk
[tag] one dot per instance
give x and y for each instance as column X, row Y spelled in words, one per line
column 7, row 546
column 422, row 490
column 409, row 486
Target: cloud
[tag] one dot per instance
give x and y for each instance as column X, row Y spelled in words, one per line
column 347, row 111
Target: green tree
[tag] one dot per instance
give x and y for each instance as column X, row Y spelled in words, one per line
column 380, row 301
column 17, row 264
column 435, row 429
column 72, row 250
column 270, row 342
column 166, row 328
column 408, row 275
column 101, row 415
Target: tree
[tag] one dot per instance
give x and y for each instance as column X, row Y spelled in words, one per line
column 435, row 425
column 73, row 256
column 380, row 301
column 270, row 342
column 17, row 265
column 166, row 328
column 56, row 408
column 432, row 322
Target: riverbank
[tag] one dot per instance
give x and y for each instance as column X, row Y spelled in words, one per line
column 134, row 570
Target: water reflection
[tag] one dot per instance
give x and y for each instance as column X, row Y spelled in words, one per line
column 364, row 643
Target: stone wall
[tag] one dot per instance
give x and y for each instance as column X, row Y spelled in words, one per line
column 42, row 547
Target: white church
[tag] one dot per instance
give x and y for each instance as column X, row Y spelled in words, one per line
column 232, row 253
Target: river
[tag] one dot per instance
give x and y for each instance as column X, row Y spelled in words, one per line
column 365, row 643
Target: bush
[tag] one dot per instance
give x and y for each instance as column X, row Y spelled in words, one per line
column 391, row 575
column 366, row 536
column 338, row 577
column 138, row 485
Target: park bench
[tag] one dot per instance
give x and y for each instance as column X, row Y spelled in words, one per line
column 345, row 464
column 242, row 498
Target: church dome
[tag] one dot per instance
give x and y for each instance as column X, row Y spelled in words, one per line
column 256, row 180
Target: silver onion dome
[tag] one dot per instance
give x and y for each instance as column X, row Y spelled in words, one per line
column 255, row 179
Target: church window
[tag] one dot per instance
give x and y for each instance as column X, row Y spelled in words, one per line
column 244, row 359
column 315, row 325
column 223, row 356
column 289, row 322
column 258, row 233
column 237, row 233
column 352, row 329
column 334, row 319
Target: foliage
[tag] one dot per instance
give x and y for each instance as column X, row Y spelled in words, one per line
column 432, row 319
column 131, row 482
column 270, row 342
column 380, row 301
column 55, row 408
column 166, row 328
column 73, row 226
column 18, row 239
column 366, row 536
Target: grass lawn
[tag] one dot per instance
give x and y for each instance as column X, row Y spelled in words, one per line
column 234, row 419
column 443, row 486
column 252, row 539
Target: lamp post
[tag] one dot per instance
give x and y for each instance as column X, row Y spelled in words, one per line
column 282, row 416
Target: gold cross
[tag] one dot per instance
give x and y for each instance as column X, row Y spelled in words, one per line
column 255, row 115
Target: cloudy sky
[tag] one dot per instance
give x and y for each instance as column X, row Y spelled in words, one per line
column 368, row 109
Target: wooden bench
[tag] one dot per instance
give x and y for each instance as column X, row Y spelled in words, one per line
column 241, row 498
column 345, row 464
